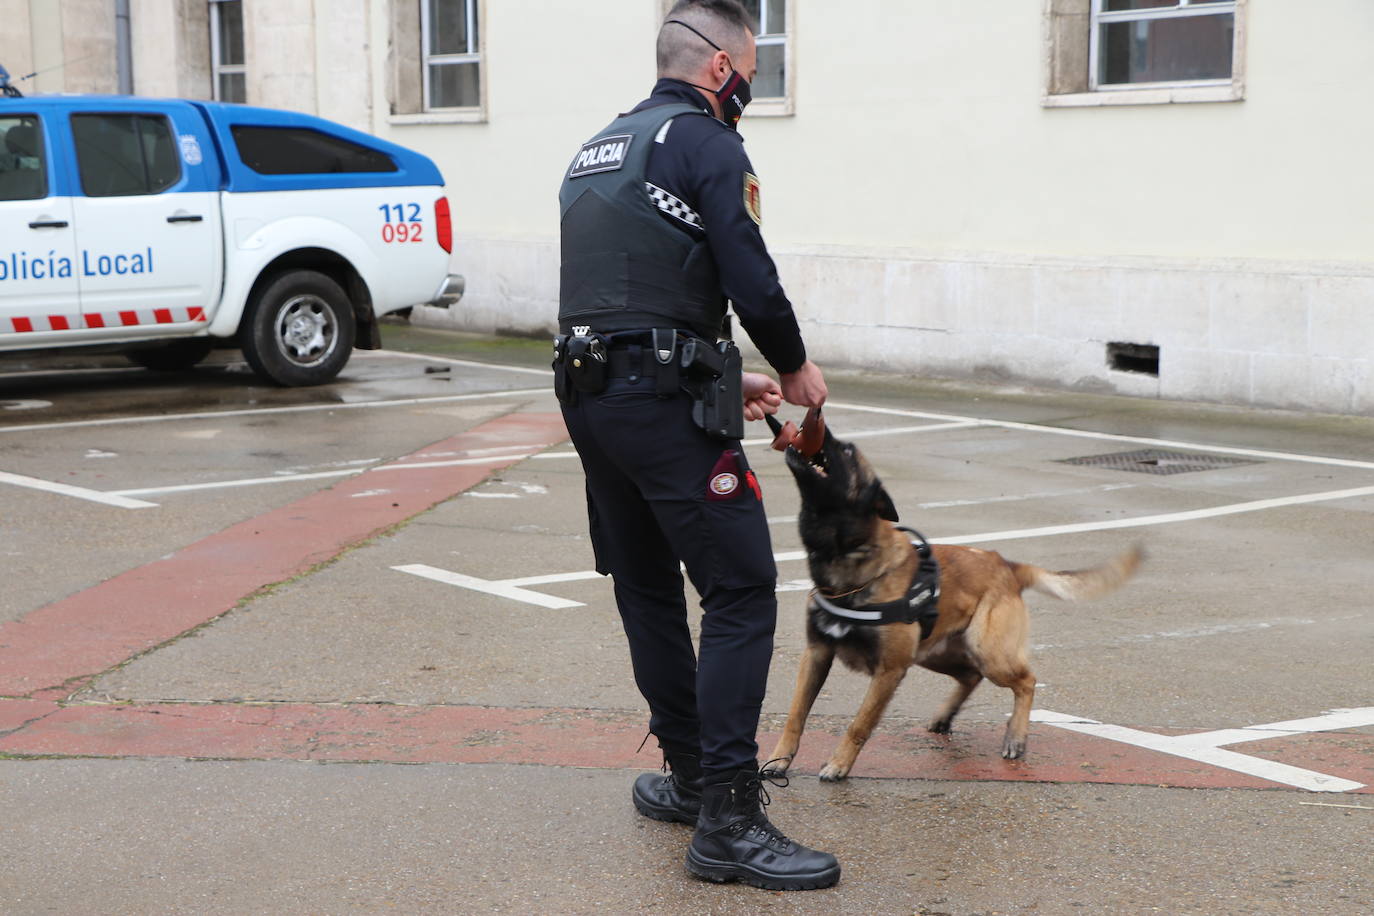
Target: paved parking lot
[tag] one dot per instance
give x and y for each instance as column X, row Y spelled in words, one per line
column 214, row 588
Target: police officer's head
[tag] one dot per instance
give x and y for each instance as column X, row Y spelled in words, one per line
column 703, row 42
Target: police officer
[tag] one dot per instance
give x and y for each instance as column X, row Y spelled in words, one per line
column 660, row 226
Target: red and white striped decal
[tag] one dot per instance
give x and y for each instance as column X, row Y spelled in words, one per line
column 97, row 320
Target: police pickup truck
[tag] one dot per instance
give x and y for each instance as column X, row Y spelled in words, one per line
column 165, row 227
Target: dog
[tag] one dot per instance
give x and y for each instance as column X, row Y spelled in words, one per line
column 977, row 627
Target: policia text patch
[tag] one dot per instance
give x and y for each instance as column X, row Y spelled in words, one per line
column 604, row 154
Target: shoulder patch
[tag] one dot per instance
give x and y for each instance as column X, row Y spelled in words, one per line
column 752, row 205
column 604, row 154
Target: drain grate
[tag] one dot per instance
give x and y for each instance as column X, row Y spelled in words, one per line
column 1155, row 461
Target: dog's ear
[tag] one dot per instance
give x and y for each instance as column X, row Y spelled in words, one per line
column 878, row 498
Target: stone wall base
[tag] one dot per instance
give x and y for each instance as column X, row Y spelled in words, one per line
column 1265, row 334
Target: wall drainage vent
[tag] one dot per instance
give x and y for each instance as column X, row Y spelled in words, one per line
column 1132, row 357
column 1155, row 461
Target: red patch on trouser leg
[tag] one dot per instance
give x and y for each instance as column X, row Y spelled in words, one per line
column 725, row 478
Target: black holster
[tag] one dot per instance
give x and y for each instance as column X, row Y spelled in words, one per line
column 579, row 365
column 715, row 377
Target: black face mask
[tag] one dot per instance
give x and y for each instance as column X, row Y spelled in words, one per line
column 733, row 94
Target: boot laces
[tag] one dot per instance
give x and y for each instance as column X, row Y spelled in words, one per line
column 759, row 824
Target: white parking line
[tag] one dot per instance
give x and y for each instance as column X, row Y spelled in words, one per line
column 991, row 536
column 1021, row 497
column 288, row 478
column 1335, row 720
column 1140, row 521
column 321, row 475
column 858, row 434
column 1205, row 747
column 245, row 482
column 297, row 408
column 1110, row 437
column 95, row 496
column 502, row 589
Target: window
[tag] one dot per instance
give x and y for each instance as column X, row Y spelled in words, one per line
column 301, row 151
column 771, row 15
column 23, row 169
column 120, row 154
column 1143, row 52
column 1149, row 42
column 226, row 51
column 452, row 71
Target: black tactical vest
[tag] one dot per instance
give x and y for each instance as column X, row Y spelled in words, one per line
column 624, row 266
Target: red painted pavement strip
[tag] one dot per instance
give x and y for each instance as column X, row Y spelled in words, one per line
column 609, row 738
column 106, row 624
column 16, row 713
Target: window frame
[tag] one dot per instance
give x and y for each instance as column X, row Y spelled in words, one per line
column 777, row 105
column 476, row 53
column 1068, row 35
column 217, row 67
column 1186, row 9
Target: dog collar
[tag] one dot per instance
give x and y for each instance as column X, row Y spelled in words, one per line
column 918, row 605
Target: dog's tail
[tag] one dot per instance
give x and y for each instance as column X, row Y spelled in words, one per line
column 1081, row 584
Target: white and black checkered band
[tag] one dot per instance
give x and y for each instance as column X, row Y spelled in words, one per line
column 672, row 206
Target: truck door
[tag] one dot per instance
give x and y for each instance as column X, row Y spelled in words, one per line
column 147, row 221
column 38, row 282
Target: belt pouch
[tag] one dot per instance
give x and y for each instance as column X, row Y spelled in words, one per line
column 585, row 363
column 562, row 386
column 667, row 378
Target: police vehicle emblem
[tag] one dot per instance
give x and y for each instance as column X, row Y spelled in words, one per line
column 190, row 149
column 604, row 154
column 724, row 484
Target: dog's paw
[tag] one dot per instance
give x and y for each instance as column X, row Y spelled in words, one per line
column 833, row 773
column 1013, row 749
column 940, row 726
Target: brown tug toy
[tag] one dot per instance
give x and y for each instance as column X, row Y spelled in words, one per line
column 807, row 440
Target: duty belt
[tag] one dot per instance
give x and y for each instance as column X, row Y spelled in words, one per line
column 918, row 605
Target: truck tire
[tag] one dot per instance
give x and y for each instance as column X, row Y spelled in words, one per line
column 298, row 330
column 176, row 356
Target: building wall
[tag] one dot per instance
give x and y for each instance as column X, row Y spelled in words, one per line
column 16, row 39
column 69, row 43
column 171, row 48
column 928, row 211
column 929, row 214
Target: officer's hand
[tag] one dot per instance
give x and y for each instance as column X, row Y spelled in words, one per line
column 762, row 396
column 805, row 387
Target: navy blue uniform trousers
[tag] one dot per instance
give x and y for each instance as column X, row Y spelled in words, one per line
column 660, row 492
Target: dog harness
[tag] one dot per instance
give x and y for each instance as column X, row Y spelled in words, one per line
column 918, row 605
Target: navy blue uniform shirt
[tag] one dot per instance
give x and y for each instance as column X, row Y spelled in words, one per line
column 702, row 163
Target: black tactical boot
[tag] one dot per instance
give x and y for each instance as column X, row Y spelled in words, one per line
column 675, row 796
column 736, row 841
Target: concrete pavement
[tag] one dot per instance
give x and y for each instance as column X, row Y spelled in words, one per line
column 429, row 709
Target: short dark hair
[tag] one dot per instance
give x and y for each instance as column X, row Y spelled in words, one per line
column 680, row 50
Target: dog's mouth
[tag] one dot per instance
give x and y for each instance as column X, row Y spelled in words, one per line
column 816, row 463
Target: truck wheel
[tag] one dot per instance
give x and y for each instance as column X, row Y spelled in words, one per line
column 173, row 357
column 298, row 330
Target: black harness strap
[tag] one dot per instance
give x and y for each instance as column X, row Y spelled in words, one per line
column 918, row 605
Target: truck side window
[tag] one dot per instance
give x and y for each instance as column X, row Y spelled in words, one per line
column 23, row 169
column 123, row 154
column 301, row 151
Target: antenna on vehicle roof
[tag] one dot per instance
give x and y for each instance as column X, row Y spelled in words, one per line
column 5, row 88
